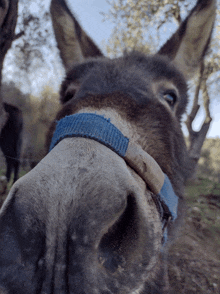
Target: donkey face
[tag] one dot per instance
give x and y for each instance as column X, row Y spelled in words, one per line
column 90, row 217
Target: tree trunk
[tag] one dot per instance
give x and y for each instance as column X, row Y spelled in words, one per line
column 8, row 19
column 196, row 139
column 3, row 114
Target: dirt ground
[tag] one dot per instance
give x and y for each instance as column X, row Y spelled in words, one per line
column 195, row 257
column 194, row 263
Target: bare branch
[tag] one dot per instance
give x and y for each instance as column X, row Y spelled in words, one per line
column 197, row 138
column 17, row 36
column 196, row 106
column 206, row 103
column 176, row 13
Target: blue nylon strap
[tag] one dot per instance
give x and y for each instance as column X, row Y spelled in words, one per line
column 168, row 197
column 96, row 127
column 92, row 126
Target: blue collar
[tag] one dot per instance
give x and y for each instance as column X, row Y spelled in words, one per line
column 92, row 126
column 96, row 127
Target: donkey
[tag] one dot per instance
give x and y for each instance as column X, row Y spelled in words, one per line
column 97, row 213
column 11, row 140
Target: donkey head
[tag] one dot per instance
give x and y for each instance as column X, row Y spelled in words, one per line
column 91, row 216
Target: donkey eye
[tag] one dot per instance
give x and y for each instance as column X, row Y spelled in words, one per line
column 68, row 95
column 170, row 97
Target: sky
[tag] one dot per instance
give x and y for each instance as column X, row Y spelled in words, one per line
column 88, row 13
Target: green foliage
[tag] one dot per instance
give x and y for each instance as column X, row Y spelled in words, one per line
column 209, row 162
column 194, row 256
column 203, row 198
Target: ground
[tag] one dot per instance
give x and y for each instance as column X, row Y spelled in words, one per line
column 194, row 264
column 195, row 257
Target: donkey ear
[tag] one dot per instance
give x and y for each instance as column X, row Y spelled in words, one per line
column 187, row 47
column 72, row 41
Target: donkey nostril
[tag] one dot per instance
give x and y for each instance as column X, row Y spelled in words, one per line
column 117, row 245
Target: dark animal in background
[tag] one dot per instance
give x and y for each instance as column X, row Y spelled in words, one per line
column 11, row 140
column 88, row 219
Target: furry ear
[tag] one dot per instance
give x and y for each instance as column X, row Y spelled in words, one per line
column 188, row 46
column 72, row 41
